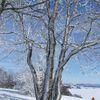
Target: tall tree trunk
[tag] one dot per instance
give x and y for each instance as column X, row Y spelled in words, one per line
column 49, row 59
column 47, row 87
column 32, row 69
column 56, row 87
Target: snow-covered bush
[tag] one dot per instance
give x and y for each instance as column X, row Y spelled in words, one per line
column 6, row 80
column 65, row 90
column 24, row 82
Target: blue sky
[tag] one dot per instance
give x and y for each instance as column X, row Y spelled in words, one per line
column 72, row 72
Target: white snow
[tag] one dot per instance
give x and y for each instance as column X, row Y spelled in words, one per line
column 15, row 95
column 5, row 89
column 86, row 93
column 70, row 98
column 9, row 93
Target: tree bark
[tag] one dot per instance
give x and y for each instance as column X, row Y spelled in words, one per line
column 34, row 75
column 49, row 59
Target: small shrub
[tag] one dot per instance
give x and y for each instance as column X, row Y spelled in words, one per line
column 65, row 91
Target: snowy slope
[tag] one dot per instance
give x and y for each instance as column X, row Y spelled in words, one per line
column 6, row 95
column 70, row 98
column 87, row 93
column 9, row 94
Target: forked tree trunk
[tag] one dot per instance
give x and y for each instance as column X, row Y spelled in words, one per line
column 49, row 60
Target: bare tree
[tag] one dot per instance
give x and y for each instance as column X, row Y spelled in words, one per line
column 63, row 29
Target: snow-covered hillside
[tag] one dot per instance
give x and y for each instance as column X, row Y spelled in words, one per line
column 9, row 94
column 86, row 93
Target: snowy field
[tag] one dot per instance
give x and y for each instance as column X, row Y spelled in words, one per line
column 86, row 93
column 9, row 94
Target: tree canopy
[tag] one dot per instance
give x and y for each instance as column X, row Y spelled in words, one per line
column 56, row 29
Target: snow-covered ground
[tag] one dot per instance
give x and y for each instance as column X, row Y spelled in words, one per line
column 70, row 98
column 86, row 93
column 5, row 95
column 9, row 94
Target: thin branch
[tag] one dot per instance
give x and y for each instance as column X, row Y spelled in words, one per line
column 75, row 51
column 2, row 6
column 24, row 7
column 56, row 5
column 8, row 33
column 5, row 57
